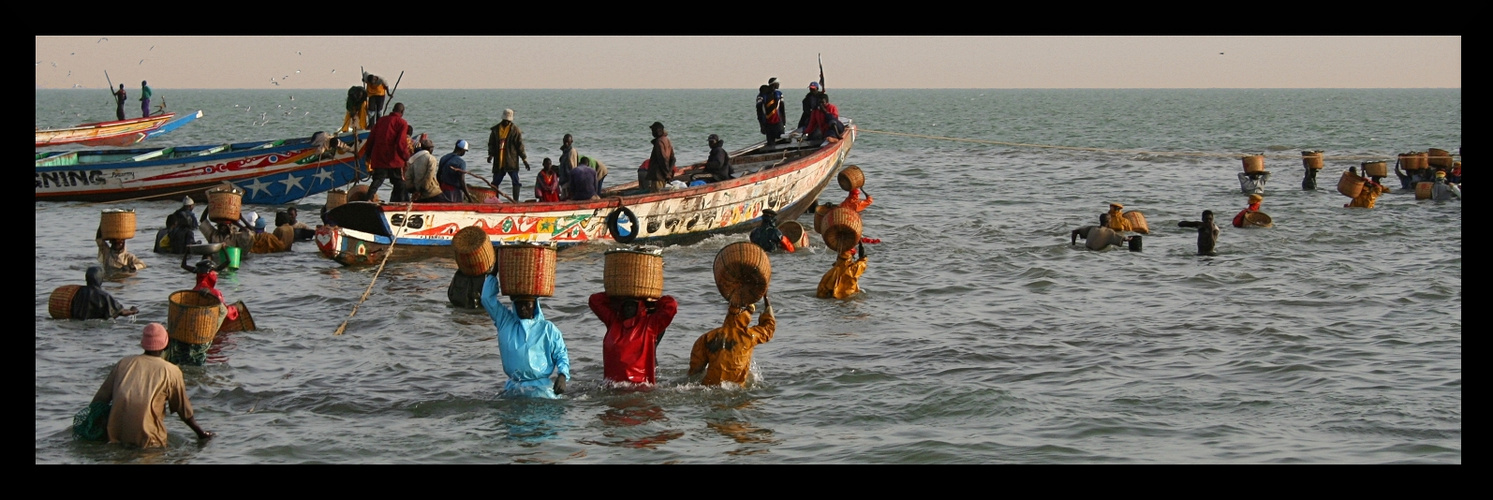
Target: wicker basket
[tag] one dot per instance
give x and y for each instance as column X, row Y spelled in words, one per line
column 336, row 198
column 819, row 212
column 634, row 272
column 474, row 253
column 223, row 203
column 117, row 224
column 1439, row 158
column 1423, row 190
column 1350, row 184
column 193, row 317
column 244, row 323
column 60, row 304
column 851, row 178
column 1375, row 169
column 527, row 270
column 742, row 273
column 1312, row 159
column 842, row 229
column 1254, row 164
column 1257, row 219
column 795, row 233
column 1137, row 222
column 1414, row 160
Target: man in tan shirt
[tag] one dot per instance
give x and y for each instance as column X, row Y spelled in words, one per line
column 140, row 388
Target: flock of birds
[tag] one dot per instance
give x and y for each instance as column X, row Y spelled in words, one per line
column 273, row 81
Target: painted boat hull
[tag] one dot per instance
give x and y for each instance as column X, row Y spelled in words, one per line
column 269, row 172
column 360, row 232
column 111, row 133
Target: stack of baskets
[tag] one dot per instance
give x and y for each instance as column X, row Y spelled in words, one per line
column 116, row 224
column 193, row 317
column 474, row 252
column 634, row 272
column 742, row 273
column 224, row 202
column 527, row 270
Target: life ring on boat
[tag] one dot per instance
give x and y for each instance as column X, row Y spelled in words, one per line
column 620, row 234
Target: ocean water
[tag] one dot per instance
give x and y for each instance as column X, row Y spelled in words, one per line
column 981, row 334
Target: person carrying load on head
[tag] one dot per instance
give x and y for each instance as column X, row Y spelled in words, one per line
column 843, row 279
column 117, row 261
column 1254, row 206
column 1117, row 220
column 1253, row 183
column 1368, row 195
column 725, row 354
column 531, row 346
column 635, row 327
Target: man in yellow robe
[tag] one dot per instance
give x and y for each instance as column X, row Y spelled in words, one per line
column 725, row 354
column 843, row 280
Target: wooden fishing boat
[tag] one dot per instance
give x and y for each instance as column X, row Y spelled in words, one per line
column 117, row 133
column 270, row 172
column 784, row 177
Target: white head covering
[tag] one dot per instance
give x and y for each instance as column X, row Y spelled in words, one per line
column 187, row 201
column 508, row 114
column 250, row 218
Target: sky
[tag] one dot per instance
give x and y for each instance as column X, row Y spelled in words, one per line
column 696, row 62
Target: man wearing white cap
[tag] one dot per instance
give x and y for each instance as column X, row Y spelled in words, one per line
column 451, row 174
column 506, row 143
column 140, row 389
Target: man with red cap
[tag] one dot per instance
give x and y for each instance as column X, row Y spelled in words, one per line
column 140, row 389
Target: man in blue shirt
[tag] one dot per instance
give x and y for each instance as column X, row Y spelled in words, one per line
column 451, row 174
column 531, row 346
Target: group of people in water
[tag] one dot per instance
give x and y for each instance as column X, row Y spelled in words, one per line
column 1444, row 184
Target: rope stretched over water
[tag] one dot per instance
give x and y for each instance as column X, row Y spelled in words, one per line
column 387, row 251
column 1125, row 151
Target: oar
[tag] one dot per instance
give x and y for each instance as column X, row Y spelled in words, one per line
column 387, row 251
column 494, row 188
column 391, row 92
column 112, row 98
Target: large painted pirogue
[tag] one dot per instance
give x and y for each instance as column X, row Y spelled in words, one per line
column 786, row 177
column 270, row 172
column 118, row 133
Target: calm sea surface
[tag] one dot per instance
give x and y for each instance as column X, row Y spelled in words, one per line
column 982, row 336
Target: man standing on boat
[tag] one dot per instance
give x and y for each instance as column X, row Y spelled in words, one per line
column 569, row 158
column 144, row 99
column 119, row 98
column 770, row 111
column 660, row 161
column 388, row 151
column 506, row 143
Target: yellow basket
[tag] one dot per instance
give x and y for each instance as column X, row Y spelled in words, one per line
column 117, row 224
column 742, row 273
column 193, row 317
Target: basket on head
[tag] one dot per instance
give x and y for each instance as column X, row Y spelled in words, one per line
column 795, row 233
column 1375, row 169
column 1312, row 159
column 1423, row 190
column 1350, row 184
column 335, row 198
column 244, row 323
column 474, row 253
column 742, row 273
column 193, row 317
column 819, row 212
column 842, row 229
column 1439, row 158
column 286, row 234
column 223, row 203
column 527, row 270
column 60, row 303
column 1254, row 164
column 851, row 178
column 117, row 224
column 1415, row 160
column 634, row 272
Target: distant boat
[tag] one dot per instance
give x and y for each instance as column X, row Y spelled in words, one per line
column 119, row 133
column 270, row 172
column 786, row 178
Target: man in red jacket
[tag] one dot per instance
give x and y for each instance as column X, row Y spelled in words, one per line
column 387, row 151
column 635, row 326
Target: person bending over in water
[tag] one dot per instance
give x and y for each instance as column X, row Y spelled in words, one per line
column 1101, row 236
